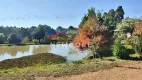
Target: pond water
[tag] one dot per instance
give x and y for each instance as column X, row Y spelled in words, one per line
column 66, row 50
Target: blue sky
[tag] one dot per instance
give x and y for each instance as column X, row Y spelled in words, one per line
column 25, row 13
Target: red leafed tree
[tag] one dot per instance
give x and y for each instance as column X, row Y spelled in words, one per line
column 81, row 42
column 91, row 32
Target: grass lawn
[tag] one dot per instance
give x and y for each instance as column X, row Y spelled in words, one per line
column 58, row 69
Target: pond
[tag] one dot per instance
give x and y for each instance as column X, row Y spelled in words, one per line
column 66, row 50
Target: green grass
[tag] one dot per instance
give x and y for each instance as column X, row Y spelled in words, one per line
column 14, row 44
column 111, row 58
column 133, row 55
column 45, row 58
column 57, row 70
column 128, row 46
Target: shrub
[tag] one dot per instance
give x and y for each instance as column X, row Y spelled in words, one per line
column 119, row 50
column 137, row 44
column 46, row 39
column 26, row 40
column 35, row 41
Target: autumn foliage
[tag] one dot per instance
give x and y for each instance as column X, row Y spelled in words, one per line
column 81, row 42
column 92, row 32
column 138, row 28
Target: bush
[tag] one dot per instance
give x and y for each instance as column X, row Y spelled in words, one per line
column 137, row 44
column 26, row 40
column 119, row 50
column 46, row 39
column 35, row 41
column 59, row 39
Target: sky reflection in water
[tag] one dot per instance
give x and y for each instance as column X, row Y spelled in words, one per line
column 69, row 51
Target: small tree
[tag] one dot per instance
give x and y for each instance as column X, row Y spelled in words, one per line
column 26, row 40
column 91, row 33
column 2, row 38
column 136, row 41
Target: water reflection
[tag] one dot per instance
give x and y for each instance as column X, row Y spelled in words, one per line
column 13, row 50
column 70, row 52
column 41, row 49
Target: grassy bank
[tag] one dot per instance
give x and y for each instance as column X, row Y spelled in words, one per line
column 15, row 44
column 57, row 70
column 34, row 44
column 45, row 58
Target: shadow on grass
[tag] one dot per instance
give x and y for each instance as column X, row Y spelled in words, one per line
column 132, row 58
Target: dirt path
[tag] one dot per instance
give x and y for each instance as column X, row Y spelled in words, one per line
column 132, row 70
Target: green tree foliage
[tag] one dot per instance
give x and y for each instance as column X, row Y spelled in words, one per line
column 84, row 19
column 119, row 50
column 46, row 39
column 124, row 27
column 35, row 41
column 113, row 17
column 91, row 12
column 119, row 14
column 136, row 43
column 26, row 40
column 137, row 38
column 104, row 17
column 71, row 34
column 12, row 39
column 111, row 21
column 60, row 29
column 71, row 28
column 2, row 38
column 39, row 33
column 127, row 25
column 99, row 16
column 22, row 32
column 48, row 30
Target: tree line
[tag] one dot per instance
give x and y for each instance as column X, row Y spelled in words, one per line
column 35, row 34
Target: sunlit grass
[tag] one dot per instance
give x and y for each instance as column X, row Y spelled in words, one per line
column 56, row 70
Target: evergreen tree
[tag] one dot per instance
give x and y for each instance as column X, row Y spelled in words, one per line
column 91, row 12
column 111, row 20
column 119, row 14
column 104, row 17
column 84, row 19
